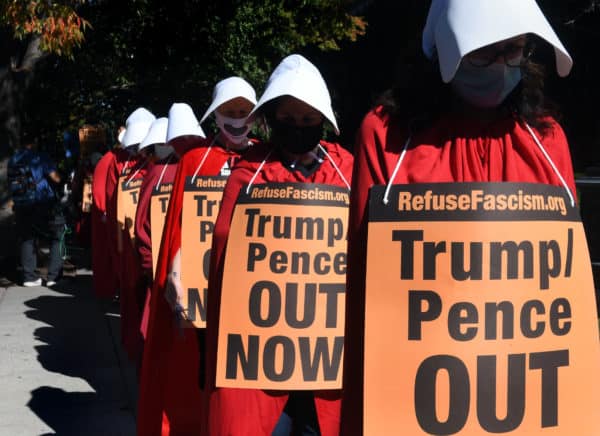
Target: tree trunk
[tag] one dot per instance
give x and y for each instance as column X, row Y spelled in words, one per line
column 17, row 68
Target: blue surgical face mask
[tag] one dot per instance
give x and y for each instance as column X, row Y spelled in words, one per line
column 485, row 87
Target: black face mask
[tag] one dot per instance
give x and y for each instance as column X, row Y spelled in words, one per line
column 296, row 140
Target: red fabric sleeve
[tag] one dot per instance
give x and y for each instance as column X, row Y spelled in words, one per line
column 105, row 281
column 143, row 238
column 169, row 400
column 99, row 181
column 555, row 142
column 366, row 173
column 143, row 219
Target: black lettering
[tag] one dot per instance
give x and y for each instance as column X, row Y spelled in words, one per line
column 288, row 361
column 491, row 320
column 569, row 260
column 475, row 260
column 339, row 263
column 559, row 310
column 332, row 290
column 416, row 315
column 407, row 250
column 315, row 227
column 273, row 306
column 282, row 231
column 256, row 252
column 335, row 231
column 291, row 305
column 487, row 386
column 318, row 263
column 278, row 262
column 430, row 252
column 549, row 362
column 297, row 259
column 512, row 251
column 199, row 204
column 196, row 305
column 206, row 228
column 248, row 362
column 321, row 357
column 251, row 213
column 545, row 270
column 526, row 316
column 425, row 395
column 164, row 203
column 456, row 319
column 206, row 263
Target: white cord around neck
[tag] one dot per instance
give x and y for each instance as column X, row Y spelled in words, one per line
column 201, row 163
column 203, row 159
column 162, row 173
column 126, row 165
column 260, row 167
column 549, row 159
column 135, row 173
column 334, row 166
column 386, row 199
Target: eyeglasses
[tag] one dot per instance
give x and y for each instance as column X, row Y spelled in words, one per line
column 513, row 55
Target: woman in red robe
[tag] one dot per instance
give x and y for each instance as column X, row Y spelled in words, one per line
column 105, row 282
column 295, row 104
column 161, row 172
column 129, row 166
column 170, row 395
column 488, row 122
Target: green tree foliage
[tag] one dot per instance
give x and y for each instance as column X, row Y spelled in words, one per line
column 153, row 53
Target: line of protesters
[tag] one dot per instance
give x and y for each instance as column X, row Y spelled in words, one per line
column 177, row 223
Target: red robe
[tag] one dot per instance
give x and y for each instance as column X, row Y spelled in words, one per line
column 105, row 281
column 253, row 412
column 127, row 265
column 170, row 400
column 143, row 227
column 454, row 149
column 143, row 232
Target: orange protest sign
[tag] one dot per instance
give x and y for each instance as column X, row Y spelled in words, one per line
column 127, row 200
column 201, row 202
column 480, row 313
column 159, row 203
column 281, row 322
column 86, row 195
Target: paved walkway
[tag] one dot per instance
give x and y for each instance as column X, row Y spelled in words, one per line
column 62, row 371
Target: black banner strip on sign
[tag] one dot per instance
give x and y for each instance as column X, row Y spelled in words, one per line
column 203, row 183
column 163, row 189
column 295, row 193
column 472, row 202
column 133, row 184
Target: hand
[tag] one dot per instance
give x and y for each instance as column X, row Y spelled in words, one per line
column 173, row 295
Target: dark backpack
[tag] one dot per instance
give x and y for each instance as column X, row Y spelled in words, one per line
column 21, row 184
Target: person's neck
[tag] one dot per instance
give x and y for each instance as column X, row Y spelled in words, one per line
column 480, row 114
column 304, row 159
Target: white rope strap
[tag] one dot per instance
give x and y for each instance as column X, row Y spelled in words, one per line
column 135, row 173
column 334, row 165
column 260, row 167
column 386, row 199
column 162, row 173
column 549, row 159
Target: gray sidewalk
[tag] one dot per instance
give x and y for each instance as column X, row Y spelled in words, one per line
column 62, row 371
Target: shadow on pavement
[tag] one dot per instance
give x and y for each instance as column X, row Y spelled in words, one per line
column 81, row 342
